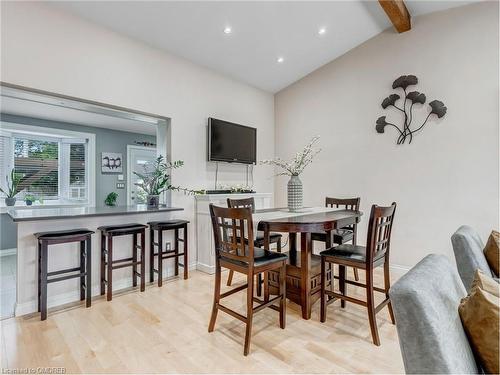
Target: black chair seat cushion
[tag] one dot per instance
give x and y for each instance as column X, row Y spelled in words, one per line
column 261, row 257
column 63, row 234
column 167, row 224
column 340, row 236
column 350, row 252
column 273, row 237
column 123, row 228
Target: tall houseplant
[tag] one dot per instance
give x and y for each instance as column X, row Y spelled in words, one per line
column 156, row 179
column 12, row 188
column 294, row 168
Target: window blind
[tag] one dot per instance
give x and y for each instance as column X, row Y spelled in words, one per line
column 37, row 162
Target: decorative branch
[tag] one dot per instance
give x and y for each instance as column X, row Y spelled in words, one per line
column 415, row 97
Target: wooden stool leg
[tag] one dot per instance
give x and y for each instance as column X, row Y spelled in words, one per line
column 283, row 296
column 230, row 278
column 39, row 273
column 215, row 305
column 387, row 286
column 176, row 251
column 134, row 260
column 266, row 286
column 143, row 260
column 88, row 270
column 322, row 317
column 82, row 270
column 186, row 264
column 110, row 268
column 371, row 306
column 259, row 284
column 278, row 246
column 248, row 333
column 151, row 255
column 342, row 283
column 356, row 275
column 103, row 267
column 160, row 257
column 43, row 279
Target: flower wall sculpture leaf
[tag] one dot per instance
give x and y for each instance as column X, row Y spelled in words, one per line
column 390, row 100
column 438, row 108
column 416, row 97
column 404, row 81
column 381, row 124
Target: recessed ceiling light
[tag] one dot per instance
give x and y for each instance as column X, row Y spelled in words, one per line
column 280, row 59
column 322, row 31
column 227, row 30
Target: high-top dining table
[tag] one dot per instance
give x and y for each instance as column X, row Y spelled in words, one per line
column 303, row 270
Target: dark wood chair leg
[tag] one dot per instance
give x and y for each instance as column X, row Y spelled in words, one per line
column 342, row 284
column 103, row 266
column 322, row 317
column 186, row 264
column 248, row 333
column 259, row 285
column 215, row 305
column 160, row 257
column 88, row 267
column 110, row 268
column 230, row 278
column 371, row 307
column 266, row 286
column 283, row 296
column 39, row 273
column 387, row 286
column 134, row 260
column 356, row 274
column 151, row 255
column 82, row 270
column 43, row 277
column 176, row 250
column 143, row 260
column 278, row 245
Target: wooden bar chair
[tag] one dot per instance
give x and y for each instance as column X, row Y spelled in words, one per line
column 233, row 227
column 375, row 254
column 259, row 237
column 346, row 234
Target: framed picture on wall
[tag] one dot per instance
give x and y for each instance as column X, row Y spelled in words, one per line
column 111, row 162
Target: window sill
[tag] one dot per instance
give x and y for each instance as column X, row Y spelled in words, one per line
column 21, row 205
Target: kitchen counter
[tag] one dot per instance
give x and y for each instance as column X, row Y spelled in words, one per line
column 57, row 213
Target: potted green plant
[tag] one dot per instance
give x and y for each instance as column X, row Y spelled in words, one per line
column 156, row 179
column 111, row 199
column 29, row 199
column 12, row 188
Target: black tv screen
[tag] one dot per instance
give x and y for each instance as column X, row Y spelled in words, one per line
column 231, row 142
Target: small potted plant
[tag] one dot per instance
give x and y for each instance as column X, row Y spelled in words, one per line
column 12, row 188
column 29, row 199
column 156, row 179
column 111, row 199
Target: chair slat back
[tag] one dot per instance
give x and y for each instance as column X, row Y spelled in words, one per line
column 379, row 231
column 232, row 228
column 241, row 203
column 345, row 203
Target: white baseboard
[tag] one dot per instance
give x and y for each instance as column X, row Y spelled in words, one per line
column 205, row 268
column 72, row 297
column 7, row 252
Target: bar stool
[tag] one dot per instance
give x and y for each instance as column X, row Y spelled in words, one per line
column 160, row 226
column 109, row 264
column 84, row 270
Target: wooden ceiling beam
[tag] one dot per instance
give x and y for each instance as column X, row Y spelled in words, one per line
column 398, row 14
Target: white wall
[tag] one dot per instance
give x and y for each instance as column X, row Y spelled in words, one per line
column 45, row 48
column 449, row 175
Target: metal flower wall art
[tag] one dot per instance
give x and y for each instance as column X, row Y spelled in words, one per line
column 410, row 99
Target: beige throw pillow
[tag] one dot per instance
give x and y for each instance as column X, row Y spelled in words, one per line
column 486, row 283
column 480, row 315
column 492, row 252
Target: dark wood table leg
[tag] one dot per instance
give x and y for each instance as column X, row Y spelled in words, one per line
column 305, row 279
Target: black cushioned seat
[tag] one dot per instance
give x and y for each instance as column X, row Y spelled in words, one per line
column 167, row 224
column 261, row 257
column 124, row 228
column 63, row 234
column 339, row 236
column 350, row 252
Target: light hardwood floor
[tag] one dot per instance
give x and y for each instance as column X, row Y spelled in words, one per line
column 165, row 330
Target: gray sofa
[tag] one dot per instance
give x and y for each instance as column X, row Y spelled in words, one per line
column 425, row 303
column 468, row 249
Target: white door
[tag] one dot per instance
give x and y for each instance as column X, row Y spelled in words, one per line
column 137, row 157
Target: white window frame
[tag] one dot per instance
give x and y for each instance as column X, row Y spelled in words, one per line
column 13, row 129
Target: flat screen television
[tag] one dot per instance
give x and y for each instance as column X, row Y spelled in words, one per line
column 231, row 142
